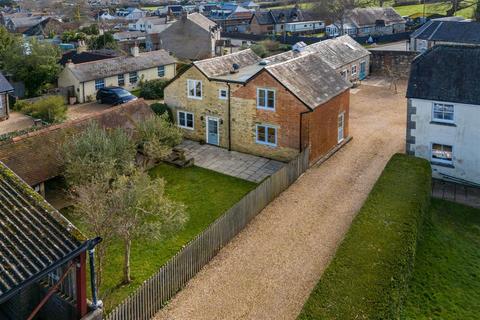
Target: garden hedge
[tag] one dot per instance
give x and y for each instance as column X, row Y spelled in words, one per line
column 368, row 277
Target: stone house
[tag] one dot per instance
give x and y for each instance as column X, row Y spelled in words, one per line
column 293, row 20
column 191, row 37
column 443, row 112
column 86, row 78
column 5, row 89
column 272, row 108
column 361, row 22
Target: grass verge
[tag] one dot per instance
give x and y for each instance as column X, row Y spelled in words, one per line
column 446, row 280
column 367, row 279
column 207, row 195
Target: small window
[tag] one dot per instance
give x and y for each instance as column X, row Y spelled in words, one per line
column 442, row 112
column 133, row 77
column 185, row 119
column 121, row 80
column 99, row 84
column 266, row 99
column 223, row 94
column 442, row 153
column 161, row 71
column 354, row 69
column 266, row 135
column 194, row 88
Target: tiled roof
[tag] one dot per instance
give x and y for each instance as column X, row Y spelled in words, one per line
column 33, row 235
column 446, row 73
column 202, row 21
column 449, row 31
column 369, row 16
column 264, row 17
column 222, row 65
column 5, row 86
column 120, row 65
column 35, row 156
column 86, row 56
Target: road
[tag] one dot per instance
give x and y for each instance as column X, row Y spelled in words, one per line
column 270, row 268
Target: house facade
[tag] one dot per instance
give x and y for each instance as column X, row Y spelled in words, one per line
column 244, row 103
column 437, row 32
column 5, row 89
column 443, row 113
column 232, row 17
column 292, row 20
column 87, row 78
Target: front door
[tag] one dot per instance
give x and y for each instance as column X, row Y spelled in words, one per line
column 212, row 131
column 363, row 70
column 341, row 125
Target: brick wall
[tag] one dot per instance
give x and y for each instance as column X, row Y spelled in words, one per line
column 396, row 61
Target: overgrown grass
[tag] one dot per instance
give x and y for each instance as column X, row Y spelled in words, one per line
column 446, row 279
column 207, row 195
column 367, row 279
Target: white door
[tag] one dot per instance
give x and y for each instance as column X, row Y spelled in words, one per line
column 212, row 131
column 341, row 125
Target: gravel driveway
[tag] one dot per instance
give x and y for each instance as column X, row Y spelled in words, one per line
column 269, row 269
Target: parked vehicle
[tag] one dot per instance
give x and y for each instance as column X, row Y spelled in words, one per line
column 114, row 95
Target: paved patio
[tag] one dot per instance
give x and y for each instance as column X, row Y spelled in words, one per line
column 17, row 121
column 232, row 163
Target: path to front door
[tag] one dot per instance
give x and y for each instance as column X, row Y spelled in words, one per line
column 232, row 163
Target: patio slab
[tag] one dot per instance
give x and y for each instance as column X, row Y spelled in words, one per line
column 232, row 163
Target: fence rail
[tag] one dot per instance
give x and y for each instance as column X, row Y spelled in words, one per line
column 159, row 288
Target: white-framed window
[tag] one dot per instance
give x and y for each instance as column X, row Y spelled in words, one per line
column 265, row 99
column 185, row 120
column 133, row 77
column 161, row 71
column 266, row 134
column 442, row 153
column 442, row 112
column 121, row 80
column 354, row 70
column 194, row 88
column 99, row 84
column 223, row 94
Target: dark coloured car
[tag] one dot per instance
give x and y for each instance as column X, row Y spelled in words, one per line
column 114, row 95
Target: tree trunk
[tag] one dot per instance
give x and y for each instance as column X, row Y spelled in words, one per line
column 100, row 253
column 126, row 265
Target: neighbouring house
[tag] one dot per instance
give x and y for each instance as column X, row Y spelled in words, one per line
column 20, row 25
column 42, row 253
column 125, row 71
column 232, row 17
column 443, row 111
column 250, row 5
column 175, row 11
column 80, row 56
column 5, row 89
column 361, row 22
column 35, row 156
column 149, row 24
column 48, row 27
column 292, row 20
column 130, row 13
column 191, row 37
column 273, row 108
column 444, row 32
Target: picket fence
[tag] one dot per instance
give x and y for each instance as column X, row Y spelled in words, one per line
column 149, row 298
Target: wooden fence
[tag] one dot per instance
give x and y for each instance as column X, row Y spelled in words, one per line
column 162, row 286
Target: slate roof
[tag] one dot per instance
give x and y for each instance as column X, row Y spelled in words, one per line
column 222, row 65
column 449, row 31
column 5, row 86
column 86, row 56
column 202, row 21
column 309, row 78
column 34, row 156
column 368, row 16
column 446, row 73
column 120, row 65
column 264, row 18
column 33, row 235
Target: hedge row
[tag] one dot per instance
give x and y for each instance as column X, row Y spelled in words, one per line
column 368, row 277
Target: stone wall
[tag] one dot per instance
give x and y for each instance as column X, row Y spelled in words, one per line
column 384, row 63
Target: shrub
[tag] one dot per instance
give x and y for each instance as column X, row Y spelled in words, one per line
column 152, row 89
column 161, row 108
column 368, row 277
column 51, row 109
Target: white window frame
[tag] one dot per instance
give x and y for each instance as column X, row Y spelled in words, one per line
column 130, row 77
column 354, row 67
column 341, row 115
column 186, row 114
column 434, row 104
column 441, row 161
column 161, row 71
column 190, row 83
column 265, row 101
column 99, row 84
column 266, row 126
column 220, row 91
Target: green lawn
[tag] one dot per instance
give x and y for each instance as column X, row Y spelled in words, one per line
column 207, row 194
column 446, row 279
column 440, row 8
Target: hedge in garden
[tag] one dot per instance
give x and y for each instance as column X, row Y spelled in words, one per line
column 368, row 277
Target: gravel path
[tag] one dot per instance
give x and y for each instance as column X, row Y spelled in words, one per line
column 269, row 269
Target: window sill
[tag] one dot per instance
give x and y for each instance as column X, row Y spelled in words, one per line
column 448, row 124
column 264, row 108
column 441, row 164
column 195, row 98
column 183, row 127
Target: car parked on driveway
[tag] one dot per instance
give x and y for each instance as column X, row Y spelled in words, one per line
column 114, row 95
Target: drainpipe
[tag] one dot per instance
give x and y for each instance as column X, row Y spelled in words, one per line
column 301, row 129
column 83, row 91
column 229, row 119
column 93, row 281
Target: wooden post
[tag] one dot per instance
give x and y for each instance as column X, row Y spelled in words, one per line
column 81, row 285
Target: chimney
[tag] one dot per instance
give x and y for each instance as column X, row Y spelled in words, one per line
column 69, row 63
column 81, row 47
column 135, row 51
column 184, row 16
